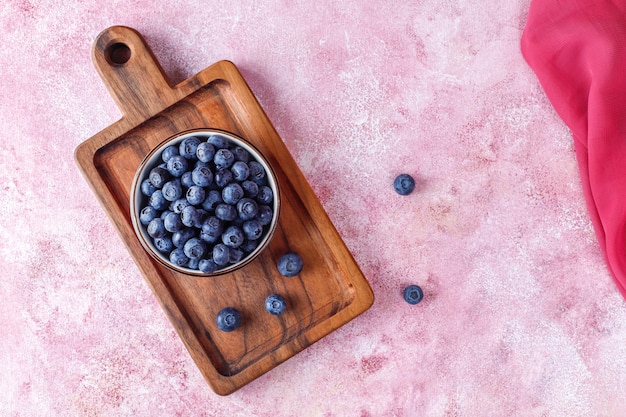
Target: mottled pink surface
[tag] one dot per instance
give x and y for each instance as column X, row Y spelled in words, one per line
column 520, row 317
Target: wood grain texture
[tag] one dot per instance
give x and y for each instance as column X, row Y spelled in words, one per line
column 330, row 291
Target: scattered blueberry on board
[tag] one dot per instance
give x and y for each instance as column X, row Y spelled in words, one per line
column 228, row 319
column 275, row 304
column 404, row 184
column 201, row 204
column 413, row 294
column 290, row 264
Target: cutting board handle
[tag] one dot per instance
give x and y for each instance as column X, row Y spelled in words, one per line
column 132, row 73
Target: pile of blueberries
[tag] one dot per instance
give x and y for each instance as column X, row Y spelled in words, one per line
column 207, row 203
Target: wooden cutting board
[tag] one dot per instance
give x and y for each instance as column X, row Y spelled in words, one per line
column 330, row 291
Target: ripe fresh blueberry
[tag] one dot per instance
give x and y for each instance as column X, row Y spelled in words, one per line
column 247, row 208
column 213, row 226
column 159, row 176
column 158, row 201
column 205, row 152
column 172, row 190
column 188, row 147
column 178, row 257
column 233, row 237
column 265, row 195
column 178, row 205
column 212, row 199
column 147, row 214
column 290, row 264
column 250, row 188
column 202, row 176
column 186, row 179
column 156, row 228
column 240, row 171
column 275, row 304
column 217, row 141
column 257, row 172
column 177, row 165
column 235, row 255
column 223, row 158
column 194, row 248
column 228, row 319
column 147, row 188
column 223, row 177
column 226, row 212
column 249, row 245
column 252, row 229
column 221, row 254
column 404, row 184
column 195, row 195
column 413, row 294
column 182, row 236
column 190, row 216
column 241, row 154
column 264, row 215
column 232, row 193
column 163, row 244
column 169, row 152
column 207, row 266
column 173, row 222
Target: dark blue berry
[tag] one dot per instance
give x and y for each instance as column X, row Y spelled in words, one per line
column 250, row 188
column 173, row 222
column 163, row 244
column 205, row 152
column 404, row 184
column 186, row 179
column 147, row 214
column 159, row 176
column 223, row 158
column 247, row 208
column 156, row 228
column 218, row 141
column 232, row 193
column 172, row 190
column 221, row 254
column 240, row 171
column 190, row 216
column 147, row 188
column 182, row 236
column 275, row 304
column 188, row 147
column 226, row 212
column 202, row 176
column 265, row 215
column 195, row 195
column 178, row 257
column 178, row 205
column 290, row 264
column 177, row 165
column 241, row 154
column 257, row 172
column 228, row 319
column 213, row 226
column 265, row 196
column 212, row 199
column 249, row 245
column 233, row 237
column 207, row 266
column 413, row 294
column 194, row 248
column 223, row 177
column 252, row 229
column 235, row 255
column 168, row 152
column 158, row 201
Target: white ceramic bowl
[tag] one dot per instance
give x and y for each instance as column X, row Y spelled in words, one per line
column 138, row 200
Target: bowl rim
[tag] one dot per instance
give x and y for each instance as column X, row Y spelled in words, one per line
column 151, row 160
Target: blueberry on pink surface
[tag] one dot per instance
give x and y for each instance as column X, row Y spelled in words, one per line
column 404, row 184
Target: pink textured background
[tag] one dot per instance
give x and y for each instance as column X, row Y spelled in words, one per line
column 520, row 317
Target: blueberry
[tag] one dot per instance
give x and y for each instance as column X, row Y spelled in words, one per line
column 163, row 244
column 207, row 266
column 218, row 141
column 186, row 179
column 247, row 208
column 177, row 165
column 233, row 237
column 213, row 226
column 228, row 319
column 178, row 205
column 193, row 263
column 195, row 195
column 168, row 152
column 178, row 257
column 250, row 188
column 173, row 222
column 265, row 195
column 147, row 214
column 257, row 172
column 275, row 304
column 223, row 177
column 240, row 171
column 182, row 236
column 413, row 294
column 264, row 215
column 404, row 184
column 188, row 147
column 223, row 158
column 232, row 193
column 201, row 215
column 241, row 154
column 252, row 229
column 202, row 176
column 235, row 255
column 226, row 212
column 290, row 264
column 249, row 245
column 208, row 237
column 156, row 228
column 194, row 248
column 159, row 176
column 164, row 214
column 147, row 188
column 221, row 254
column 158, row 201
column 205, row 152
column 190, row 216
column 172, row 190
column 212, row 199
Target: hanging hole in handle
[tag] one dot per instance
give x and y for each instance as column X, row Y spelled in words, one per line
column 117, row 53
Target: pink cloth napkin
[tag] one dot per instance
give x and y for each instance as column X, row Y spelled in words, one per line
column 577, row 48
